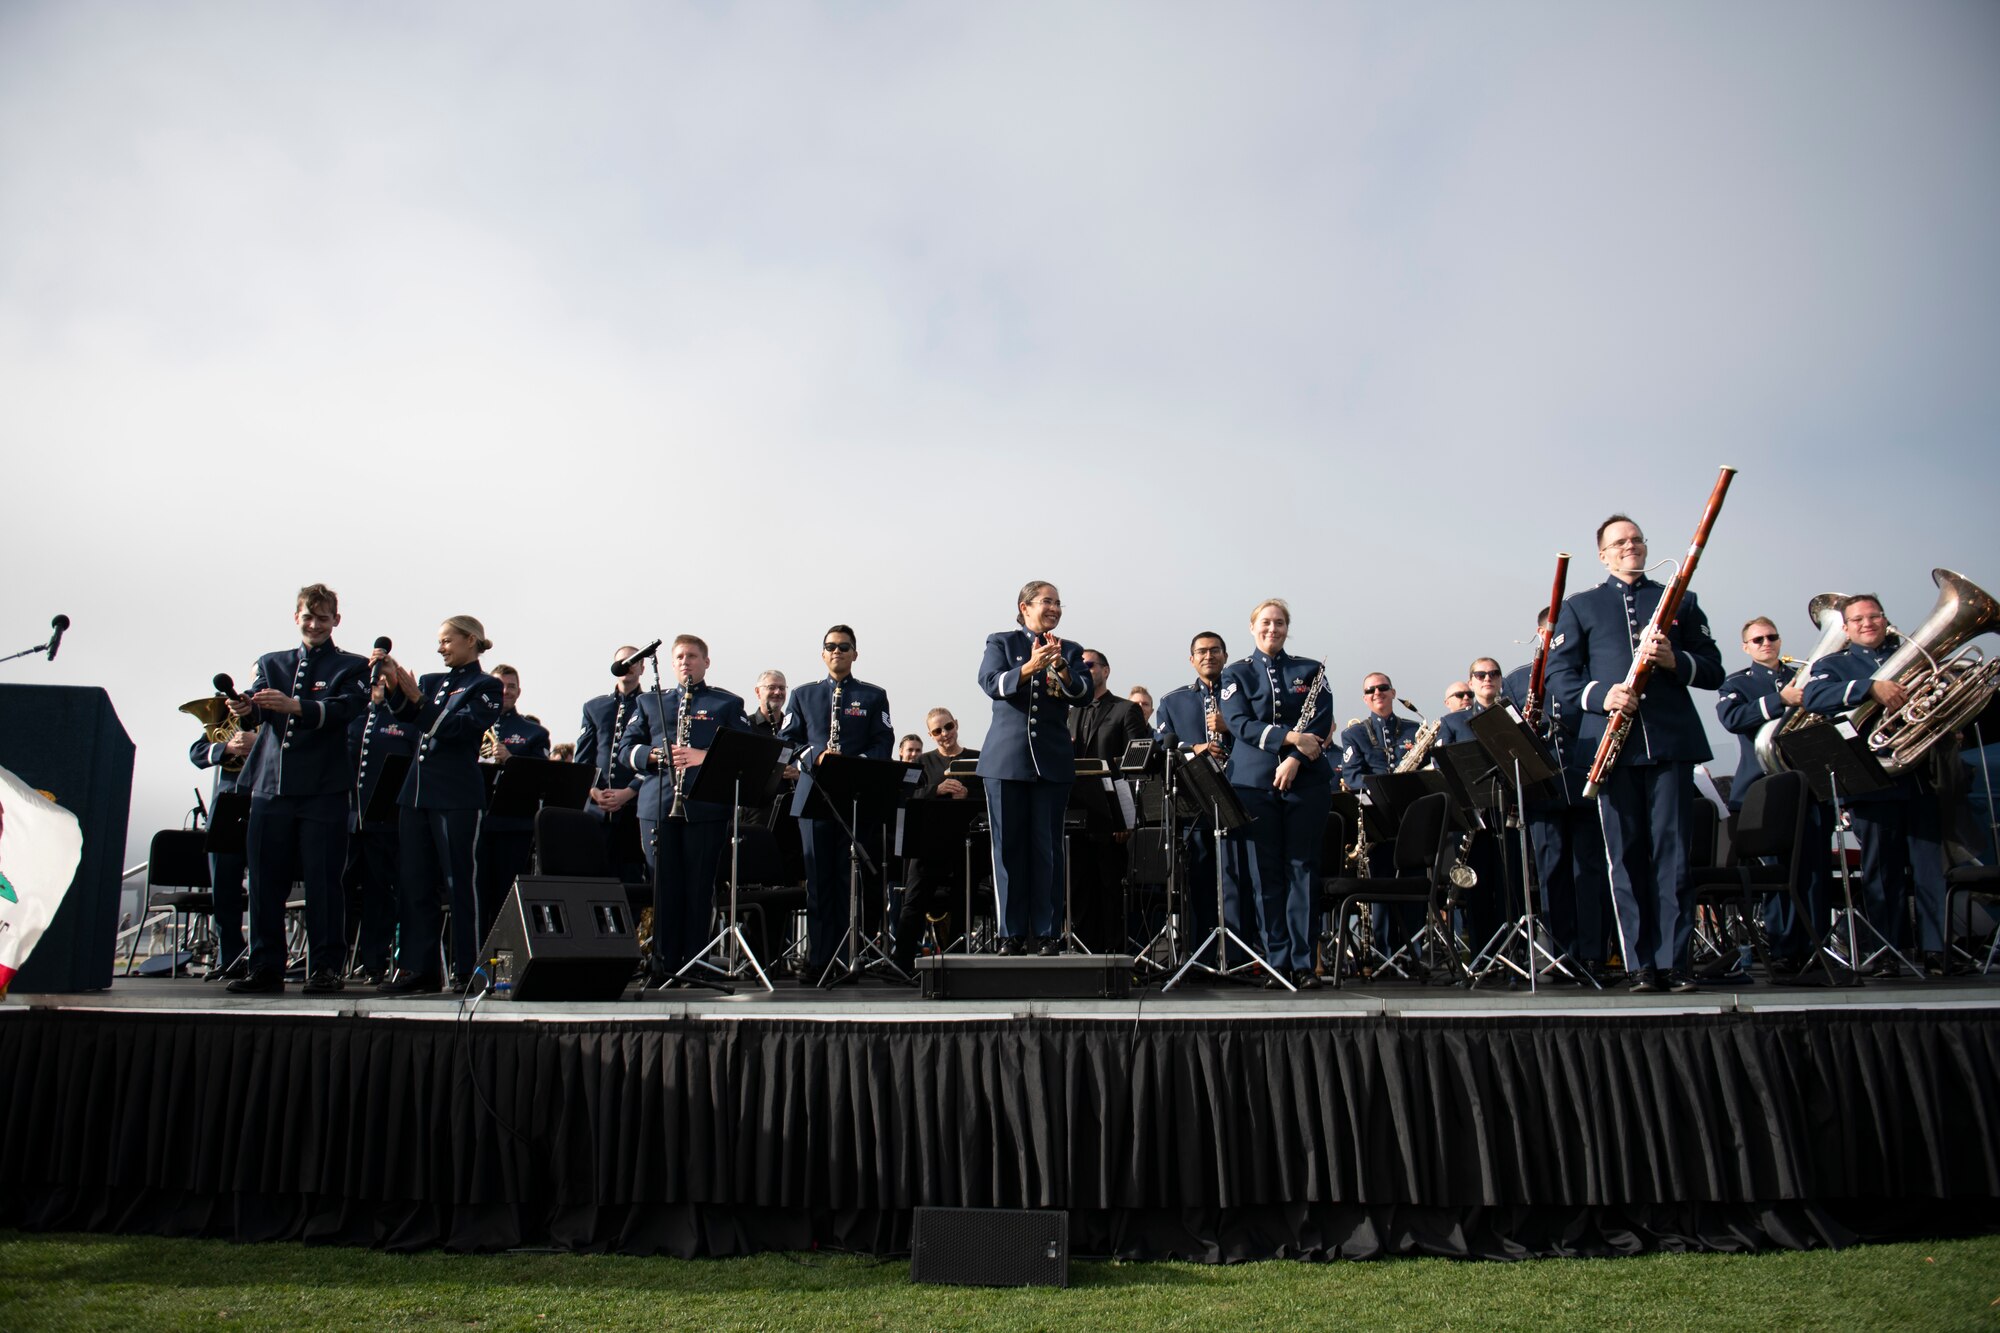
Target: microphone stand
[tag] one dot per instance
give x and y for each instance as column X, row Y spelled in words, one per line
column 684, row 977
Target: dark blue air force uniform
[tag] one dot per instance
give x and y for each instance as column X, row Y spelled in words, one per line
column 373, row 847
column 297, row 778
column 442, row 800
column 225, row 869
column 1566, row 835
column 505, row 849
column 1027, row 764
column 1647, row 799
column 604, row 720
column 1374, row 745
column 1262, row 699
column 865, row 730
column 1899, row 827
column 687, row 851
column 1184, row 713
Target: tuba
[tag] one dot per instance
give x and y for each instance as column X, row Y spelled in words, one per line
column 1825, row 610
column 1947, row 688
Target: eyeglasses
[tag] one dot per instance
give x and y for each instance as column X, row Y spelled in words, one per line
column 1459, row 694
column 1763, row 638
column 1486, row 675
column 1378, row 689
column 1047, row 601
column 1093, row 663
column 1867, row 618
column 944, row 728
column 1623, row 541
column 837, row 647
column 1213, row 650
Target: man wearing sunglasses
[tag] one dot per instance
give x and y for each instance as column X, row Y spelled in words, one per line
column 1762, row 692
column 1376, row 744
column 1646, row 804
column 1486, row 905
column 865, row 730
column 1459, row 695
column 933, row 889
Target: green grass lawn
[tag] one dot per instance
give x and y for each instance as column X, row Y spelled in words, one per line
column 100, row 1283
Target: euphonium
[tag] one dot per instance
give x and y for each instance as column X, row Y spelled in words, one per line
column 683, row 724
column 1945, row 691
column 1825, row 610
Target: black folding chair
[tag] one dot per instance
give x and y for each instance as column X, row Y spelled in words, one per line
column 1765, row 858
column 1422, row 860
column 177, row 884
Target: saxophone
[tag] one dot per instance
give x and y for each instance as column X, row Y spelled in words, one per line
column 1420, row 748
column 683, row 728
column 833, row 723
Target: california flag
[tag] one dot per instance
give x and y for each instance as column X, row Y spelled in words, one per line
column 40, row 845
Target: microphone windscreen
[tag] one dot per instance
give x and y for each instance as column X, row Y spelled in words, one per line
column 224, row 684
column 382, row 642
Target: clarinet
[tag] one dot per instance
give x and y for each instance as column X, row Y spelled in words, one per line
column 683, row 727
column 833, row 723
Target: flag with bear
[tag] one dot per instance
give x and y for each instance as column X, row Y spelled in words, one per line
column 40, row 846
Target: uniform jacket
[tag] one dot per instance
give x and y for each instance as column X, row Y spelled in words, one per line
column 865, row 728
column 1028, row 737
column 452, row 711
column 604, row 720
column 1374, row 745
column 712, row 710
column 1595, row 637
column 305, row 755
column 1262, row 698
column 1748, row 700
column 371, row 739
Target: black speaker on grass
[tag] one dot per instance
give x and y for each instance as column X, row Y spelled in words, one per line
column 990, row 1247
column 562, row 939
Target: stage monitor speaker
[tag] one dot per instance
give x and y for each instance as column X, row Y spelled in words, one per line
column 990, row 1247
column 562, row 939
column 67, row 740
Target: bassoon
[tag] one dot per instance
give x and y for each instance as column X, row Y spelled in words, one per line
column 1620, row 723
column 1536, row 703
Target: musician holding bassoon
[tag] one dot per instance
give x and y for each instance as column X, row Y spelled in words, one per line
column 1280, row 711
column 298, row 779
column 666, row 739
column 1607, row 639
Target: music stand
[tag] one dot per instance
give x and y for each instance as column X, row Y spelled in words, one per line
column 1103, row 807
column 935, row 829
column 966, row 770
column 1834, row 764
column 1210, row 786
column 851, row 791
column 228, row 825
column 737, row 761
column 525, row 785
column 1515, row 749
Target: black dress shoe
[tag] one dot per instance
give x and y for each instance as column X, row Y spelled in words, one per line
column 1306, row 979
column 258, row 983
column 326, row 981
column 1680, row 983
column 1011, row 946
column 239, row 966
column 408, row 983
column 1050, row 947
column 1646, row 982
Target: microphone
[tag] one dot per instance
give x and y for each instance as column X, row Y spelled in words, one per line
column 624, row 664
column 59, row 624
column 225, row 687
column 375, row 668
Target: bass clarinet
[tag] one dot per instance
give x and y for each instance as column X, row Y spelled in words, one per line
column 1619, row 725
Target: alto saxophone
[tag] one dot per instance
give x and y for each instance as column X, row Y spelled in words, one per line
column 1420, row 748
column 683, row 732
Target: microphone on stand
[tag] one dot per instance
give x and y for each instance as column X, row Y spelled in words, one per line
column 622, row 665
column 59, row 624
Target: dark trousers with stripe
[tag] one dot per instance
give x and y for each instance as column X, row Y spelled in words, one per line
column 688, row 853
column 1647, row 814
column 309, row 833
column 1286, row 830
column 436, row 868
column 1568, row 843
column 1028, row 869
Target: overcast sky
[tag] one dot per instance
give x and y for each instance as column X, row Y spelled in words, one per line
column 605, row 321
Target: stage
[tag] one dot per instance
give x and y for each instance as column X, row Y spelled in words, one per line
column 1208, row 1124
